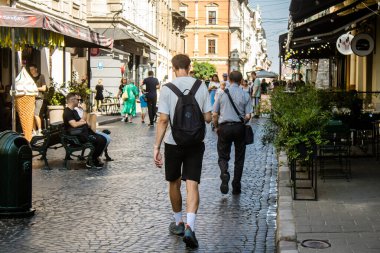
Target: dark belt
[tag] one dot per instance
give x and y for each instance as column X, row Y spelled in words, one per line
column 230, row 123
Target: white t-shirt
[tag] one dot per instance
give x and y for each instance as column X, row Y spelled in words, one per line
column 168, row 100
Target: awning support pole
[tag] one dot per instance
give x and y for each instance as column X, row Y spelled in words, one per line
column 13, row 61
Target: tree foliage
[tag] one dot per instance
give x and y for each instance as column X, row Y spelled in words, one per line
column 203, row 70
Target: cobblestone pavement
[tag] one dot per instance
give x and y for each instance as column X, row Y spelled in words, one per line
column 125, row 207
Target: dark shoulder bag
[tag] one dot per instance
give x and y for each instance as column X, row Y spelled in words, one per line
column 81, row 132
column 248, row 129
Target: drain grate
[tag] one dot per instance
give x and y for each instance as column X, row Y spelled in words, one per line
column 315, row 244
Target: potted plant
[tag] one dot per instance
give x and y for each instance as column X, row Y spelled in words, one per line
column 296, row 122
column 55, row 102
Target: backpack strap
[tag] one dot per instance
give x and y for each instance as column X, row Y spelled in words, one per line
column 175, row 89
column 195, row 87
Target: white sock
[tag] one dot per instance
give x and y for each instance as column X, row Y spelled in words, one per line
column 178, row 217
column 191, row 220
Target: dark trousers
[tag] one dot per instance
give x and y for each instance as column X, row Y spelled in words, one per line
column 152, row 109
column 99, row 145
column 228, row 134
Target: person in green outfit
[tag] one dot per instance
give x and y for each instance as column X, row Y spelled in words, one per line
column 129, row 108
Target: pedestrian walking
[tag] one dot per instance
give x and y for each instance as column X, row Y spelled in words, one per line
column 184, row 102
column 99, row 95
column 39, row 79
column 123, row 82
column 230, row 129
column 129, row 107
column 256, row 93
column 225, row 80
column 151, row 85
column 213, row 87
column 144, row 107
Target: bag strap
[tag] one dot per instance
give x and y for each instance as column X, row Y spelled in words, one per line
column 233, row 105
column 195, row 87
column 179, row 93
column 174, row 89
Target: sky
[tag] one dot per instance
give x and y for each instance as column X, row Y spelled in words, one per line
column 274, row 16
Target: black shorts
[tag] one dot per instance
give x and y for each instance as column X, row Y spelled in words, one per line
column 188, row 158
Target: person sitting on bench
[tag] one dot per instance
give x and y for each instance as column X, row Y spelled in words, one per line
column 81, row 109
column 71, row 119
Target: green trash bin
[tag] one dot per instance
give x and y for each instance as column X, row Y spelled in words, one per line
column 15, row 176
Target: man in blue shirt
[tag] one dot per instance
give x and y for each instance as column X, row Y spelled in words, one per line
column 230, row 129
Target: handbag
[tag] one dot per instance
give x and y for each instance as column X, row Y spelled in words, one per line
column 124, row 96
column 81, row 132
column 248, row 132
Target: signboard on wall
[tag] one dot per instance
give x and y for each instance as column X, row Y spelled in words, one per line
column 343, row 44
column 362, row 44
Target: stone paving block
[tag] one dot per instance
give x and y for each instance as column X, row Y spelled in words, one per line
column 286, row 245
column 125, row 206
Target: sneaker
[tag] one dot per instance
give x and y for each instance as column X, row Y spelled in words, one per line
column 224, row 185
column 189, row 238
column 123, row 119
column 177, row 229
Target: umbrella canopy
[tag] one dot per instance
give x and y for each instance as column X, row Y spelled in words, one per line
column 265, row 74
column 48, row 29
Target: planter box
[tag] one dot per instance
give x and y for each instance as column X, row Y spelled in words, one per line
column 55, row 113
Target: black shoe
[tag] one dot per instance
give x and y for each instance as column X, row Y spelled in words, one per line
column 190, row 239
column 108, row 159
column 224, row 186
column 95, row 165
column 256, row 116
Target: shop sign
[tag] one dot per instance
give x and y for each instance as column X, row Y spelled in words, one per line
column 343, row 44
column 362, row 44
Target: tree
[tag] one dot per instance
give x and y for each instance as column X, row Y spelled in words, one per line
column 203, row 70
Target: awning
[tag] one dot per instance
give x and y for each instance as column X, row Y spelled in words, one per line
column 302, row 9
column 316, row 39
column 74, row 35
column 119, row 34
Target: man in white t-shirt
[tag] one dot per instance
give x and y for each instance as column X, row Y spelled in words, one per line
column 181, row 162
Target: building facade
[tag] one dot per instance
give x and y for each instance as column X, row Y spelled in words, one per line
column 227, row 34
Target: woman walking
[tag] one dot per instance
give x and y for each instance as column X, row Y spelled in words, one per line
column 129, row 108
column 99, row 94
column 123, row 82
column 213, row 86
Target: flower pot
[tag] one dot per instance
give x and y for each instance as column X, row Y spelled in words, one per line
column 55, row 113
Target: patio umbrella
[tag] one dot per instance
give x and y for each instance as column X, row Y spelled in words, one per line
column 265, row 74
column 19, row 28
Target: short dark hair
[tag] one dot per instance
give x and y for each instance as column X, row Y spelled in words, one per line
column 150, row 73
column 181, row 61
column 253, row 72
column 236, row 76
column 33, row 65
column 70, row 95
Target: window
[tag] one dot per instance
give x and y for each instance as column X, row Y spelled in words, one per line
column 211, row 46
column 212, row 17
column 183, row 13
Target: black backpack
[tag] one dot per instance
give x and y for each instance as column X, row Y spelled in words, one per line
column 188, row 127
